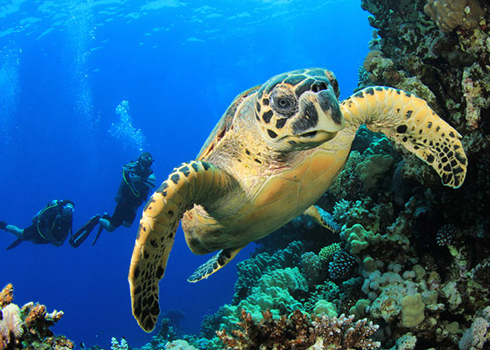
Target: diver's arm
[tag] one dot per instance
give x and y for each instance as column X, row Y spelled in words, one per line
column 130, row 177
column 150, row 181
column 130, row 167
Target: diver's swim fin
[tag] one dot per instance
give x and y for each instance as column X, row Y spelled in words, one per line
column 81, row 235
column 15, row 243
column 98, row 234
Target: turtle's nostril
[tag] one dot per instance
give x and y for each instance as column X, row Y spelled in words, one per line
column 317, row 87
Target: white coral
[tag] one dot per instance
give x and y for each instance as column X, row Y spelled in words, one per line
column 179, row 345
column 11, row 323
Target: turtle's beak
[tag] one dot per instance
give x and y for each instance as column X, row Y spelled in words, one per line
column 319, row 116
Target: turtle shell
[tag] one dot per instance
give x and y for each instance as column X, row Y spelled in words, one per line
column 224, row 124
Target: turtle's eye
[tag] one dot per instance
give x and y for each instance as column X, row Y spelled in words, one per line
column 285, row 105
column 282, row 103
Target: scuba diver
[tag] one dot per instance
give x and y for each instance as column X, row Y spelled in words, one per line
column 138, row 180
column 52, row 224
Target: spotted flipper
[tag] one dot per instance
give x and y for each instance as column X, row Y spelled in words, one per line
column 217, row 262
column 408, row 120
column 189, row 184
column 322, row 218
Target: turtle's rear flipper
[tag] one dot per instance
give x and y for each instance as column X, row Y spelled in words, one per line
column 81, row 235
column 218, row 261
column 408, row 120
column 191, row 183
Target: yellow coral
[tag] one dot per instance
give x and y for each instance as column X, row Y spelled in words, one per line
column 6, row 295
column 412, row 310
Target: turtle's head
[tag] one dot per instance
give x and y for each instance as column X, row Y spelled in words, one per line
column 300, row 109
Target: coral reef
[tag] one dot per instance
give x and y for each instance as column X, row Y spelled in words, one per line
column 115, row 345
column 28, row 327
column 298, row 331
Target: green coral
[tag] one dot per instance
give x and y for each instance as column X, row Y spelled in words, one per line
column 358, row 238
column 274, row 291
column 327, row 252
column 324, row 307
column 359, row 310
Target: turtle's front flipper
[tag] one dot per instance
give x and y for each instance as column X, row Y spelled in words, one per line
column 189, row 184
column 322, row 218
column 407, row 119
column 218, row 261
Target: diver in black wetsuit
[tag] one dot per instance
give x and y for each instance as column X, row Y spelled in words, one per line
column 51, row 225
column 138, row 180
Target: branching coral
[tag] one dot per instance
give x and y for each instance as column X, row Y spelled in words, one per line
column 343, row 333
column 37, row 320
column 476, row 88
column 299, row 331
column 476, row 336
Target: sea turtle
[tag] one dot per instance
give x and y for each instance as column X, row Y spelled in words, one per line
column 275, row 151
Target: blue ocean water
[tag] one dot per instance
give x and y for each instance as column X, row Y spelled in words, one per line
column 86, row 85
